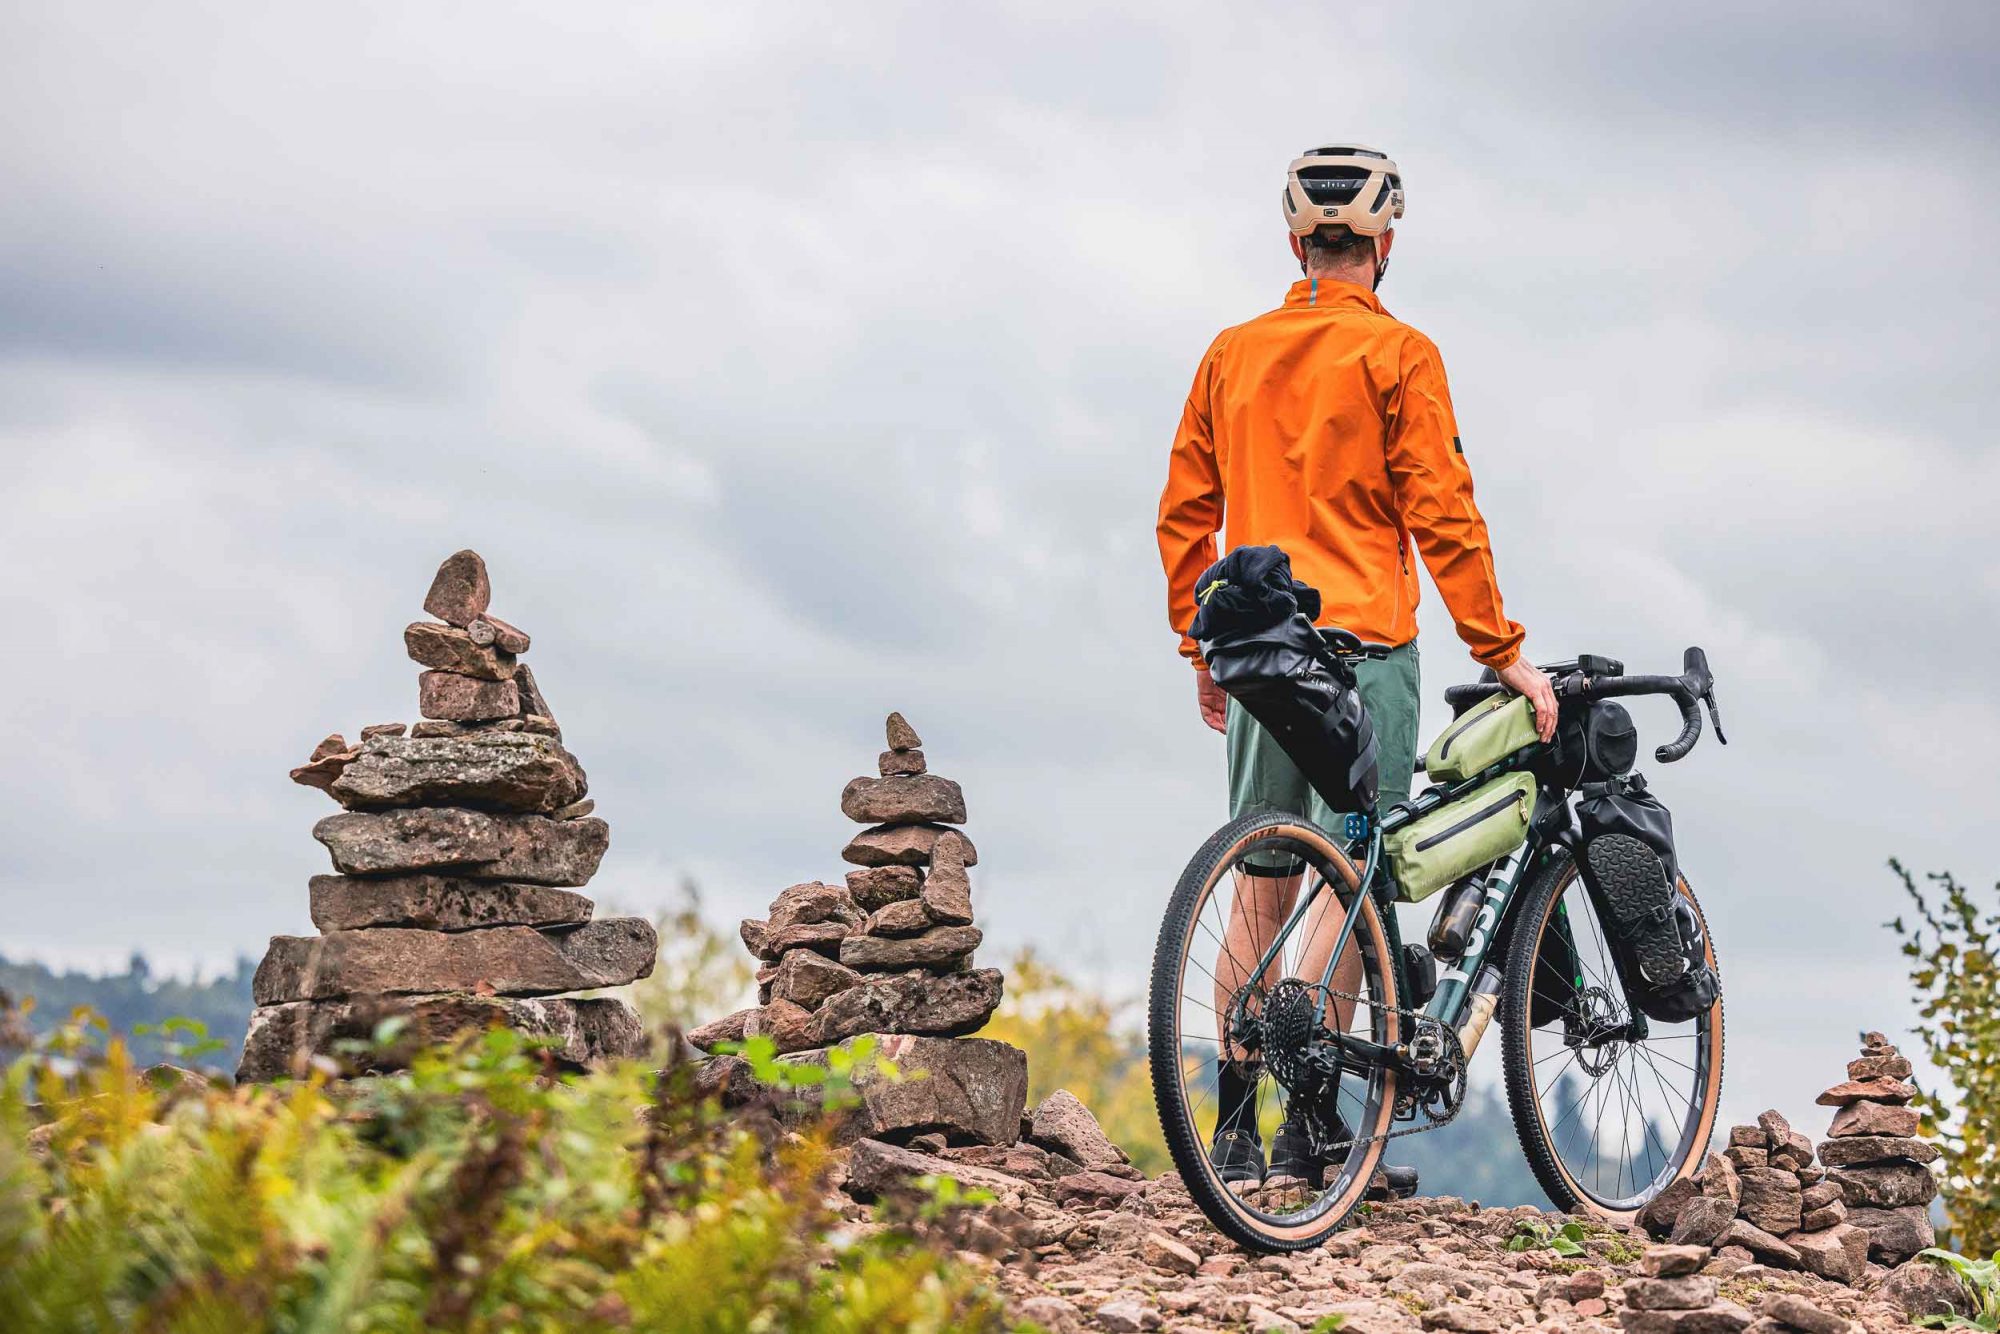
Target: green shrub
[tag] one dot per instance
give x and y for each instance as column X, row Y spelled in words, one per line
column 477, row 1192
column 1954, row 963
column 1980, row 1282
column 1566, row 1241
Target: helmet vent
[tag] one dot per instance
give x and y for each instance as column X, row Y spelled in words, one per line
column 1332, row 185
column 1336, row 151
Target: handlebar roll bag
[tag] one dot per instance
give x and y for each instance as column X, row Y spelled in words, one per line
column 1285, row 679
column 1626, row 856
column 1458, row 838
column 1482, row 736
column 1595, row 740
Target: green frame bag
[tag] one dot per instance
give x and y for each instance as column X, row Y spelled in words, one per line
column 1479, row 828
column 1481, row 737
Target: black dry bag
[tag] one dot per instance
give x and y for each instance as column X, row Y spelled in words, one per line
column 1311, row 710
column 1626, row 855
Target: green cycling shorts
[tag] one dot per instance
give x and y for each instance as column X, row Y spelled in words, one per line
column 1263, row 777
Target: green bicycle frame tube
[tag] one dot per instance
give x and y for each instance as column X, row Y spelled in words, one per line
column 1305, row 903
column 1455, row 987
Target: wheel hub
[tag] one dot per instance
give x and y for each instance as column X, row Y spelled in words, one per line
column 1600, row 1023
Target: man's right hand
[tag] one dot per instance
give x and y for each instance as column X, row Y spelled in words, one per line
column 1214, row 704
column 1524, row 678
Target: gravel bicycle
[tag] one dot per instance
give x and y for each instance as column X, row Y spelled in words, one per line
column 1350, row 1039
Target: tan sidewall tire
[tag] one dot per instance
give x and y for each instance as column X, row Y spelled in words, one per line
column 1529, row 1121
column 1170, row 964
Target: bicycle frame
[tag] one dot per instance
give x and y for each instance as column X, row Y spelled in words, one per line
column 1454, row 1005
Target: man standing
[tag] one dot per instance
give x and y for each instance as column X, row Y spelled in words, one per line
column 1325, row 427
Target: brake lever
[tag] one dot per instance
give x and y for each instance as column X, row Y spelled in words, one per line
column 1714, row 716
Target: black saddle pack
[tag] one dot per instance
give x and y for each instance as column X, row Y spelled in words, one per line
column 1255, row 627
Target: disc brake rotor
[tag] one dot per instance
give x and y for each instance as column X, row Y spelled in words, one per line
column 1600, row 1016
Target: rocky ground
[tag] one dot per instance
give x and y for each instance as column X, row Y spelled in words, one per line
column 1079, row 1240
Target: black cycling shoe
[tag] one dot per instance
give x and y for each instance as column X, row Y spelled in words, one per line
column 1238, row 1156
column 1292, row 1156
column 1392, row 1183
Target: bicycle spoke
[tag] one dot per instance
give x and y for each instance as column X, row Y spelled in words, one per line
column 1620, row 1114
column 1237, row 921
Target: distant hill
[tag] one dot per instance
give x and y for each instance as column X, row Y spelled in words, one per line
column 135, row 997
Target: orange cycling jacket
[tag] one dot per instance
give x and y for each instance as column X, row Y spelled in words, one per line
column 1325, row 427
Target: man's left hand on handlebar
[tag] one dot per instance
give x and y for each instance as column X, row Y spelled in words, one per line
column 1524, row 678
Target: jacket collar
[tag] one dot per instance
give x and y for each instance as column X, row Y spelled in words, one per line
column 1331, row 292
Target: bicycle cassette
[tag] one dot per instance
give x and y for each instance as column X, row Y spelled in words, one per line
column 1292, row 1038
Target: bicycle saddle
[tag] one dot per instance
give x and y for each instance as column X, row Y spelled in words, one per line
column 1349, row 644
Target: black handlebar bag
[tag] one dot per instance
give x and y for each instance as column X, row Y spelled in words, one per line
column 1626, row 856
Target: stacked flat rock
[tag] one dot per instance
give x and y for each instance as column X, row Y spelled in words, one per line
column 1763, row 1200
column 1671, row 1295
column 462, row 844
column 888, row 953
column 1873, row 1153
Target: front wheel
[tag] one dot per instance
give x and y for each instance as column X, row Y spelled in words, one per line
column 1206, row 1006
column 1607, row 1118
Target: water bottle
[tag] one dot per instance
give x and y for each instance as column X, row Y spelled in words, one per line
column 1452, row 927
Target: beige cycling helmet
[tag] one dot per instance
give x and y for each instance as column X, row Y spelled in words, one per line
column 1349, row 185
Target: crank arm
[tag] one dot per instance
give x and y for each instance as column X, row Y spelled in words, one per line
column 1367, row 1054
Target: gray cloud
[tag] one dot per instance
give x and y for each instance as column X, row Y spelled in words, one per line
column 790, row 368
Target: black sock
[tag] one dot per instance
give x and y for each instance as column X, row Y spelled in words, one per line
column 1236, row 1096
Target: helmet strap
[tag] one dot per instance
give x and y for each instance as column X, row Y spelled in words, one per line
column 1381, row 261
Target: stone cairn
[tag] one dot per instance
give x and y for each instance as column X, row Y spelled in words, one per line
column 1872, row 1153
column 1766, row 1200
column 889, row 954
column 461, row 843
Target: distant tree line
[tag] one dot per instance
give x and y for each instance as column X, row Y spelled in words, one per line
column 135, row 998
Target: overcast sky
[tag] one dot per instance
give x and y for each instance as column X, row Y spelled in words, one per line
column 791, row 364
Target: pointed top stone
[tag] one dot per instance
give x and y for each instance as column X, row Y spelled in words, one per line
column 902, row 736
column 461, row 591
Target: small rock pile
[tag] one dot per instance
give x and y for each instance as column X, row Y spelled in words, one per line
column 1872, row 1153
column 1672, row 1296
column 891, row 950
column 1763, row 1200
column 1861, row 1202
column 887, row 955
column 462, row 840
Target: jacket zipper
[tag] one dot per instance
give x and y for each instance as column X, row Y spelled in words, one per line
column 1511, row 799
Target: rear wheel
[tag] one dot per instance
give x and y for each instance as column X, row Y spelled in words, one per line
column 1606, row 1120
column 1202, row 977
